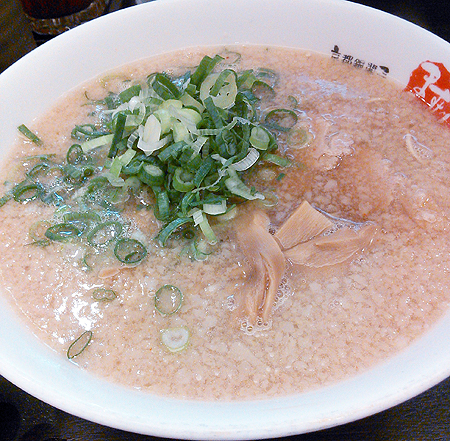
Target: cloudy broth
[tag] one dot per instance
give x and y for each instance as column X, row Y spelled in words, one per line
column 374, row 155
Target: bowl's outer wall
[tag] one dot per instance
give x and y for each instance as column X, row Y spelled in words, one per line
column 29, row 87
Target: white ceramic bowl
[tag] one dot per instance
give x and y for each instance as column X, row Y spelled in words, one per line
column 30, row 87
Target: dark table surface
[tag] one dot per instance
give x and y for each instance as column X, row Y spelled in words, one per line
column 424, row 418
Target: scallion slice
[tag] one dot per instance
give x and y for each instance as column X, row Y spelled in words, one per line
column 215, row 209
column 104, row 294
column 62, row 232
column 202, row 249
column 118, row 134
column 79, row 345
column 75, row 154
column 262, row 90
column 94, row 143
column 168, row 300
column 207, row 231
column 25, row 192
column 37, row 232
column 281, row 119
column 221, row 87
column 5, row 198
column 130, row 251
column 183, row 180
column 151, row 175
column 29, row 134
column 38, row 171
column 277, row 160
column 83, row 220
column 162, row 203
column 104, row 233
column 170, row 228
column 299, row 137
column 175, row 339
column 259, row 138
column 206, row 66
column 247, row 162
column 237, row 187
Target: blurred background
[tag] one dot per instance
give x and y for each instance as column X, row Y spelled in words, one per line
column 430, row 14
column 24, row 418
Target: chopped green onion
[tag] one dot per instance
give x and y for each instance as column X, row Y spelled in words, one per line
column 215, row 209
column 207, row 231
column 231, row 57
column 206, row 66
column 151, row 175
column 175, row 339
column 130, row 251
column 270, row 199
column 86, row 131
column 221, row 88
column 299, row 138
column 79, row 345
column 183, row 180
column 37, row 232
column 104, row 233
column 188, row 139
column 247, row 162
column 103, row 294
column 168, row 300
column 29, row 134
column 127, row 157
column 118, row 134
column 82, row 220
column 281, row 119
column 201, row 249
column 230, row 214
column 162, row 203
column 277, row 160
column 237, row 187
column 24, row 192
column 262, row 90
column 259, row 138
column 269, row 75
column 189, row 101
column 129, row 93
column 170, row 228
column 94, row 143
column 293, row 101
column 132, row 185
column 113, row 174
column 164, row 87
column 90, row 260
column 75, row 154
column 5, row 198
column 62, row 232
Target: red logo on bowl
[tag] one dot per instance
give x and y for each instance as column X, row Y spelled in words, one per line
column 431, row 83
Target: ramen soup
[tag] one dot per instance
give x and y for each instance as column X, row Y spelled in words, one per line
column 250, row 224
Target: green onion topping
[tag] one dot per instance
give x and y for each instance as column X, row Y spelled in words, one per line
column 175, row 339
column 79, row 345
column 104, row 233
column 62, row 232
column 29, row 134
column 130, row 251
column 103, row 295
column 180, row 145
column 168, row 300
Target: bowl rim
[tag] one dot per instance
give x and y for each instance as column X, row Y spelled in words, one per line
column 46, row 376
